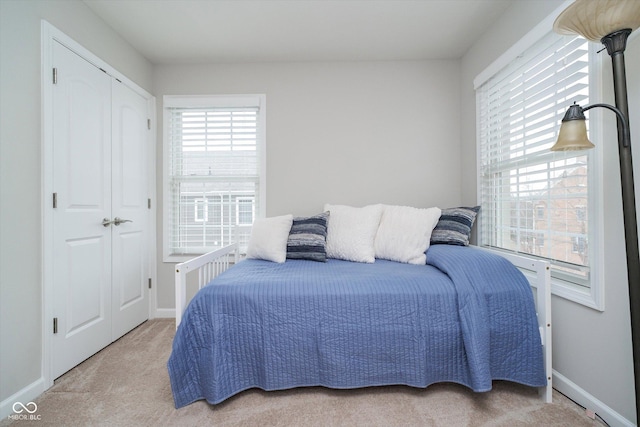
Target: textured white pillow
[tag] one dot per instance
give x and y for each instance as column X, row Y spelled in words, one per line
column 351, row 232
column 405, row 232
column 269, row 237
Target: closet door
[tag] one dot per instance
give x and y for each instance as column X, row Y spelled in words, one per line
column 82, row 185
column 130, row 212
column 101, row 217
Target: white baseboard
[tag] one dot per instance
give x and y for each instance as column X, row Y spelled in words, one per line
column 570, row 389
column 26, row 395
column 165, row 313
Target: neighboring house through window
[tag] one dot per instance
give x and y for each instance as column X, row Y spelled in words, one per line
column 214, row 171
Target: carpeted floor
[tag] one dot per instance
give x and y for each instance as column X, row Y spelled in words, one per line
column 127, row 384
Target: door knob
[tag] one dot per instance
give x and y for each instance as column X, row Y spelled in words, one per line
column 106, row 222
column 117, row 221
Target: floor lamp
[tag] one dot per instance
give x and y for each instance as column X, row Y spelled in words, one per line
column 610, row 22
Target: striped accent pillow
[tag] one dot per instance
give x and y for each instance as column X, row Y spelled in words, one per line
column 308, row 238
column 454, row 226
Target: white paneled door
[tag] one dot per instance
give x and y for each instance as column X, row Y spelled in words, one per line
column 100, row 219
column 130, row 260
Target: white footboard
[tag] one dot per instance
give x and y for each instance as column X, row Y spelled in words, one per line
column 539, row 275
column 208, row 266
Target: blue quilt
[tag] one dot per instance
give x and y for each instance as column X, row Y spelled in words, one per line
column 466, row 317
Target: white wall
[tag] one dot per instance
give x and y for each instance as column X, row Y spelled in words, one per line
column 590, row 348
column 20, row 164
column 345, row 132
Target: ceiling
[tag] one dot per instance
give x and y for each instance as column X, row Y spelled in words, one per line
column 231, row 31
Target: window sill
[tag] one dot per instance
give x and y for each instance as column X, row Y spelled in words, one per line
column 178, row 258
column 577, row 294
column 587, row 297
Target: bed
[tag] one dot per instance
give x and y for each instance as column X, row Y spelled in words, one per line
column 467, row 316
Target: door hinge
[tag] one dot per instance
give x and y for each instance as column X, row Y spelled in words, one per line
column 149, row 282
column 148, row 203
column 55, row 200
column 55, row 325
column 149, row 124
column 55, row 76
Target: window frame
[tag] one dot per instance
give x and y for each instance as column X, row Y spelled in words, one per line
column 592, row 296
column 204, row 101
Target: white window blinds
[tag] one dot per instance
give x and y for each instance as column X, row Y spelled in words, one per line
column 215, row 181
column 535, row 201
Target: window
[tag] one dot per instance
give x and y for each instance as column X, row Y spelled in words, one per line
column 214, row 171
column 245, row 210
column 534, row 201
column 579, row 245
column 201, row 210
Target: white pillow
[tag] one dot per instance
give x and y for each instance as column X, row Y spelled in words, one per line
column 405, row 232
column 269, row 237
column 351, row 232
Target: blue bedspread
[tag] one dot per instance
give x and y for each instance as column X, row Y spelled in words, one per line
column 466, row 317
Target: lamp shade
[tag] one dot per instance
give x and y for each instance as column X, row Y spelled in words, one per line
column 572, row 136
column 594, row 19
column 573, row 131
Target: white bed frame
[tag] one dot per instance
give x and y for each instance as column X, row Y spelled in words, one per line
column 537, row 272
column 208, row 266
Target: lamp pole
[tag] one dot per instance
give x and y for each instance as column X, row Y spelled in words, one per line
column 616, row 44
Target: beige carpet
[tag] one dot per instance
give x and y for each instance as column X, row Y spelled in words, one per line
column 127, row 384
